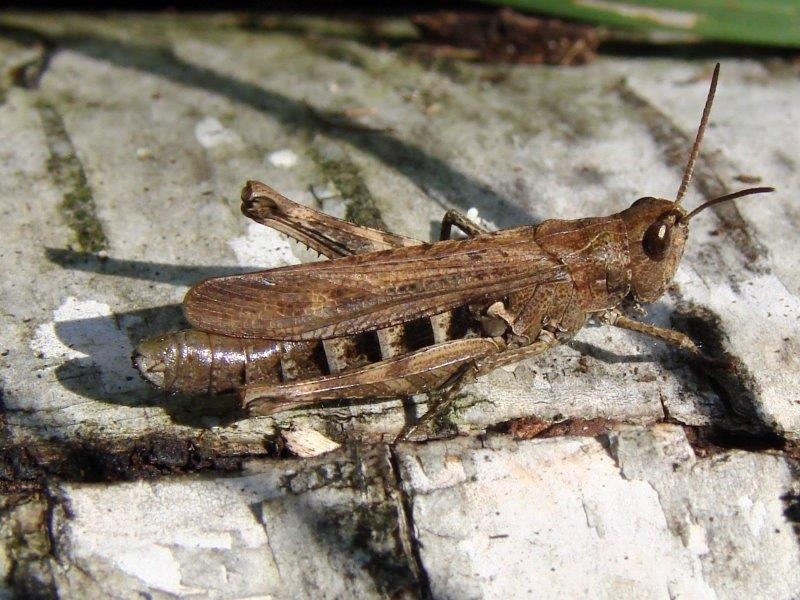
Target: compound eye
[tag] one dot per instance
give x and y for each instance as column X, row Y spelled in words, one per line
column 656, row 240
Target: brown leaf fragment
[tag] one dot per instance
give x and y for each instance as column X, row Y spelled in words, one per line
column 527, row 428
column 507, row 36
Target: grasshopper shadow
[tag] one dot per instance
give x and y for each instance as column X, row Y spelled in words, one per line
column 136, row 269
column 436, row 177
column 105, row 372
column 731, row 380
column 735, row 413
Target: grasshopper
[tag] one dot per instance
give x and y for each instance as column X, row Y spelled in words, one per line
column 392, row 316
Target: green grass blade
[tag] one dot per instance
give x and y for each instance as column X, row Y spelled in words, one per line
column 763, row 22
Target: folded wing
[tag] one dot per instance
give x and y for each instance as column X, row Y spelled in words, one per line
column 370, row 291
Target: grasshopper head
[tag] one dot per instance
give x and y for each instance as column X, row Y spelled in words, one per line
column 657, row 228
column 657, row 231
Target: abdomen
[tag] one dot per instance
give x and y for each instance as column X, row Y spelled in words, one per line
column 196, row 362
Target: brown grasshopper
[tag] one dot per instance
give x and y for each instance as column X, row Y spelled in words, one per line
column 392, row 316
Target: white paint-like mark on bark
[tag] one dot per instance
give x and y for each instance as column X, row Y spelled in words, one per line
column 263, row 247
column 284, row 159
column 755, row 514
column 212, row 134
column 156, row 566
column 695, row 539
column 474, row 215
column 86, row 331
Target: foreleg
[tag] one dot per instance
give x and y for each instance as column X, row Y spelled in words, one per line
column 676, row 338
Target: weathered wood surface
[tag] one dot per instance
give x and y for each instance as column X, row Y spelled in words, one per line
column 125, row 142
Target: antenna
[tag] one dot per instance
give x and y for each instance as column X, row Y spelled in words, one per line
column 687, row 173
column 726, row 197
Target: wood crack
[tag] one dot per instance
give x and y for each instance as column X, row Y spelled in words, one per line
column 407, row 531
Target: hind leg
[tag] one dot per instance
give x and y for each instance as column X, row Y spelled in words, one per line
column 427, row 369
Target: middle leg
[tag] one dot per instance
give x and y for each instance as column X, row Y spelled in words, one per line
column 468, row 372
column 462, row 221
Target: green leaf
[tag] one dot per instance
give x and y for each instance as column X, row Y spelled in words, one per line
column 763, row 22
